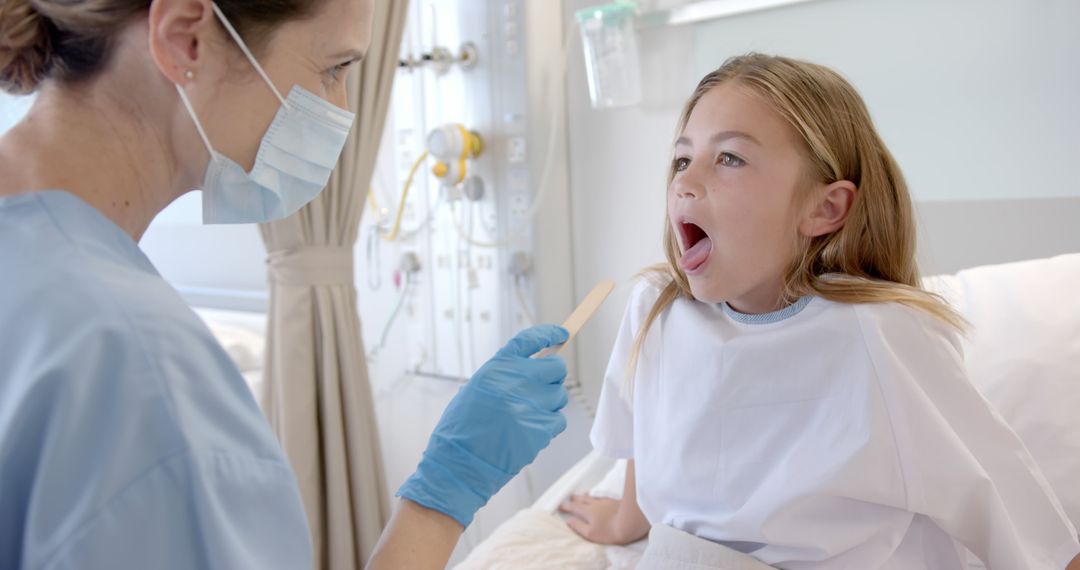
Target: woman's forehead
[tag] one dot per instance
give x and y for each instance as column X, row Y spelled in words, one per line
column 336, row 26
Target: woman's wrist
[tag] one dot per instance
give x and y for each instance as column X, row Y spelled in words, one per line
column 416, row 537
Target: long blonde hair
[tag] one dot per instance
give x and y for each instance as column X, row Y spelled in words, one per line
column 871, row 259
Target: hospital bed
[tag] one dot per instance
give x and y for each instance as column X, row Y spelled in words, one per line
column 1023, row 353
column 243, row 335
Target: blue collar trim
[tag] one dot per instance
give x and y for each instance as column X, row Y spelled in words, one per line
column 767, row 318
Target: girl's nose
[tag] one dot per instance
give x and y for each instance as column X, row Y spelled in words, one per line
column 687, row 187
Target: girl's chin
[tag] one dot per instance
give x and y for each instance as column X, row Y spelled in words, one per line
column 703, row 292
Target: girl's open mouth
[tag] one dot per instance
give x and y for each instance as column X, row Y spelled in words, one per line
column 697, row 245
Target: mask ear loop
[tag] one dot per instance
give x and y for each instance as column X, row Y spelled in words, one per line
column 243, row 47
column 195, row 119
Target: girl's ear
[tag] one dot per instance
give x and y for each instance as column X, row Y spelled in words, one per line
column 831, row 209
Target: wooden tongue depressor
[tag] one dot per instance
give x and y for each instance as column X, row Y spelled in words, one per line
column 581, row 315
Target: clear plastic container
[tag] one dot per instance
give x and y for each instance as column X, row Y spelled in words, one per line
column 612, row 61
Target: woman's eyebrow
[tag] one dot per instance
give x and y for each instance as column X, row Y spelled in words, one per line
column 720, row 137
column 349, row 55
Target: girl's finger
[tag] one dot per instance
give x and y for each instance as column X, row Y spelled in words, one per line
column 570, row 508
column 579, row 526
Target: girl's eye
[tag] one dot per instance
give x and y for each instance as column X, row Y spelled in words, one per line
column 681, row 164
column 728, row 159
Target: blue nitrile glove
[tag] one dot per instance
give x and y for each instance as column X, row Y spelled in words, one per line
column 496, row 425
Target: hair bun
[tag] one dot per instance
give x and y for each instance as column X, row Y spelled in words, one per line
column 25, row 47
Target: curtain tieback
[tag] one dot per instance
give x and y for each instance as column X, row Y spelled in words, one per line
column 311, row 266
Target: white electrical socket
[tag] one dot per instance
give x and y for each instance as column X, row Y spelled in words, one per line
column 516, row 150
column 518, row 205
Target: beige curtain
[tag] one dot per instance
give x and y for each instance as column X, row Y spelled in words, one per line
column 316, row 391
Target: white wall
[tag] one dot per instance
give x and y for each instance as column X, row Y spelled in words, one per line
column 12, row 109
column 978, row 99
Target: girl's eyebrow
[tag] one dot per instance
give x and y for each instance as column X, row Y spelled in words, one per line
column 720, row 137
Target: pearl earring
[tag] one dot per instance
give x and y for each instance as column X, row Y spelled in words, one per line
column 189, row 75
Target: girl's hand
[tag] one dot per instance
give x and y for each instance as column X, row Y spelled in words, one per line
column 593, row 519
column 604, row 521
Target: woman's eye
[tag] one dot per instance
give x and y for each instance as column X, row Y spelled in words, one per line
column 681, row 164
column 728, row 159
column 338, row 70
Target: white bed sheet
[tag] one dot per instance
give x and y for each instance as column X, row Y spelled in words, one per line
column 537, row 537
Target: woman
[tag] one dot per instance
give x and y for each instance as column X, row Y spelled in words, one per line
column 127, row 437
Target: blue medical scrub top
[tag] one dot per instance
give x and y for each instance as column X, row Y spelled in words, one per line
column 128, row 438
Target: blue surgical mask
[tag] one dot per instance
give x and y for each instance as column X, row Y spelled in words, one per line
column 294, row 162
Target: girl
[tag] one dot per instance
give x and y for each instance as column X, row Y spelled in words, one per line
column 791, row 392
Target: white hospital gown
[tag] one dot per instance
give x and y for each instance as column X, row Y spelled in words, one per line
column 128, row 438
column 825, row 436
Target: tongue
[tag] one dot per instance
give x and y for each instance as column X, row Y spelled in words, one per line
column 695, row 256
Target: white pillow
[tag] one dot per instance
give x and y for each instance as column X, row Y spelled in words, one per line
column 1023, row 353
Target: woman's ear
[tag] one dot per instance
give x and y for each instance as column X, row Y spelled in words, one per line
column 178, row 32
column 830, row 209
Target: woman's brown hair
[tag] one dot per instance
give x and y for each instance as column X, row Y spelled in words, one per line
column 71, row 40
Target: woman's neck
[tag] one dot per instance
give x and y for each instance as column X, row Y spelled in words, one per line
column 97, row 146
